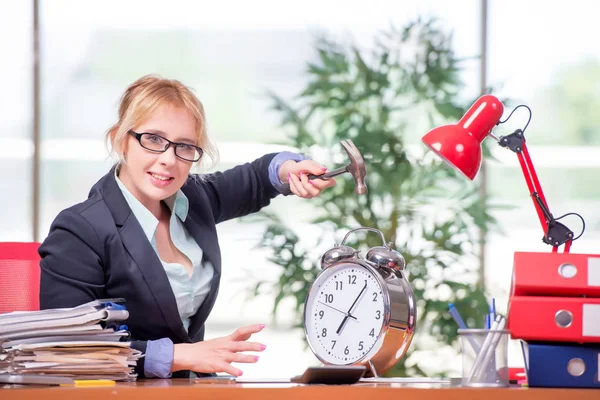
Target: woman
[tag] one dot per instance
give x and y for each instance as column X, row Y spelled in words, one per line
column 147, row 231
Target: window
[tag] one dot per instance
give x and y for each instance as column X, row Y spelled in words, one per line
column 16, row 103
column 555, row 72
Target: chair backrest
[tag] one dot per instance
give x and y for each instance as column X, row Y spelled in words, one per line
column 19, row 277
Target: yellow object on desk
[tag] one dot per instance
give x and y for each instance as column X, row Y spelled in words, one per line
column 90, row 383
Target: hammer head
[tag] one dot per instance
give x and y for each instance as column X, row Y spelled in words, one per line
column 356, row 167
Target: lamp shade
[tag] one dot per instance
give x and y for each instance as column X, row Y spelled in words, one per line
column 460, row 144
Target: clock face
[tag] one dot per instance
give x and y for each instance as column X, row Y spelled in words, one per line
column 345, row 314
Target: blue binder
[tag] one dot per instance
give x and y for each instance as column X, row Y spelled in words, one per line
column 561, row 365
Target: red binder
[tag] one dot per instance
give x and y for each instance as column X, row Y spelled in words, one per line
column 561, row 319
column 556, row 274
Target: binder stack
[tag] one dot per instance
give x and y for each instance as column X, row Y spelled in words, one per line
column 80, row 343
column 554, row 308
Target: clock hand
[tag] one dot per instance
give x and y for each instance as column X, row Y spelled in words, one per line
column 351, row 316
column 357, row 297
column 339, row 329
column 348, row 314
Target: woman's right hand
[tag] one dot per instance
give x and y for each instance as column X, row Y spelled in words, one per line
column 216, row 355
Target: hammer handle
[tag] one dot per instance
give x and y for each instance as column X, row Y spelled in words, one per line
column 285, row 188
column 329, row 174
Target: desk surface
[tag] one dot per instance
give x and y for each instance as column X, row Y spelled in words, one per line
column 175, row 389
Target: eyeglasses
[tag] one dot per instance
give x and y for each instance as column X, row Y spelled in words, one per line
column 159, row 144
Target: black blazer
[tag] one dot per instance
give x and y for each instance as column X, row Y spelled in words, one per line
column 97, row 249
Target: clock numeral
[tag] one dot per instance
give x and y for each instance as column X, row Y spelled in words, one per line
column 378, row 316
column 338, row 285
column 328, row 298
column 360, row 345
column 352, row 279
column 374, row 296
column 321, row 314
column 324, row 332
column 372, row 333
column 346, row 351
column 333, row 345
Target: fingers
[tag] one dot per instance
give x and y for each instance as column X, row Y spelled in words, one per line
column 223, row 366
column 323, row 183
column 245, row 332
column 216, row 355
column 310, row 185
column 301, row 186
column 296, row 186
column 310, row 167
column 242, row 358
column 246, row 346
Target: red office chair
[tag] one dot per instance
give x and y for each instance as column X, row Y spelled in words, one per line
column 19, row 277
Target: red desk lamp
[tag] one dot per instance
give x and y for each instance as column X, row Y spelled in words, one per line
column 460, row 146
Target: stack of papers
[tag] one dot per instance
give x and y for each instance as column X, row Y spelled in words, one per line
column 83, row 342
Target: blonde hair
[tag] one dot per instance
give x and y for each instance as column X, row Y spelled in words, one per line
column 145, row 96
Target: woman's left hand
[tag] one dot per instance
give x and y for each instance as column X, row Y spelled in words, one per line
column 296, row 174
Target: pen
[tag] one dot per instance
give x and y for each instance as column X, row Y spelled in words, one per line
column 456, row 316
column 492, row 311
column 490, row 355
column 461, row 324
column 488, row 348
column 90, row 383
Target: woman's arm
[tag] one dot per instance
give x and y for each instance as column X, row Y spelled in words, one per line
column 238, row 191
column 72, row 273
column 249, row 187
column 71, row 263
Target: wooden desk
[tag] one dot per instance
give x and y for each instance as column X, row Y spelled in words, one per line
column 175, row 389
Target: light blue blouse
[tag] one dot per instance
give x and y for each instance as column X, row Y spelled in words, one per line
column 189, row 291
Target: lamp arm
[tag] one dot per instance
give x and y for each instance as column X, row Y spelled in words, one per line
column 555, row 233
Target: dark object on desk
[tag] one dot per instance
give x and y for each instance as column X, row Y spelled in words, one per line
column 356, row 168
column 331, row 375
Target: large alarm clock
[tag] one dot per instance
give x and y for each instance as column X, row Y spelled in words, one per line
column 360, row 311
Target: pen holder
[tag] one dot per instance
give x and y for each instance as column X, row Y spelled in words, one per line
column 484, row 357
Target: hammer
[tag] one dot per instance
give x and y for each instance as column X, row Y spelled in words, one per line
column 356, row 168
